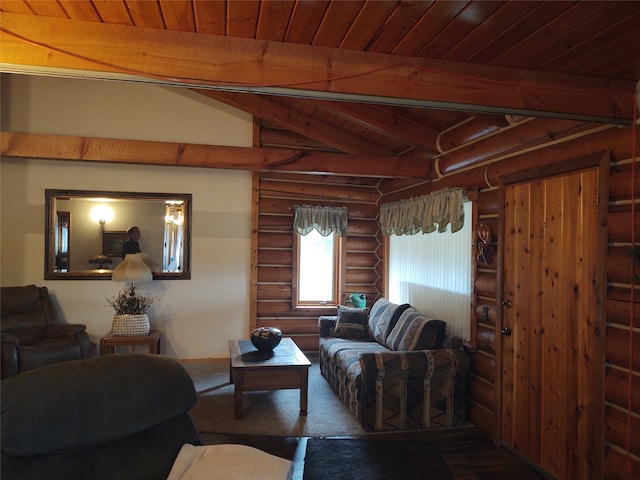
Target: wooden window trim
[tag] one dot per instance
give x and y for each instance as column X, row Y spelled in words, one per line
column 339, row 255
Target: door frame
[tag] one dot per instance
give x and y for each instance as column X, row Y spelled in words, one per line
column 600, row 160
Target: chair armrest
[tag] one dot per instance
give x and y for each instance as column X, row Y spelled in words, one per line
column 61, row 330
column 327, row 325
column 8, row 338
column 9, row 355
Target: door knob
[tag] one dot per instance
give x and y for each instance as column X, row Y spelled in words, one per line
column 506, row 303
column 506, row 331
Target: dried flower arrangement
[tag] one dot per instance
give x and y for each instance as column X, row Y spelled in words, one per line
column 129, row 302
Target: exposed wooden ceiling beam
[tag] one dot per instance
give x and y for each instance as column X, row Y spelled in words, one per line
column 191, row 59
column 261, row 107
column 63, row 147
column 385, row 122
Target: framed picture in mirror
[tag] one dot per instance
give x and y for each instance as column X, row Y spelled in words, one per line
column 112, row 243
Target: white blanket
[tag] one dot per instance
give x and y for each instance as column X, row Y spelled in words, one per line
column 229, row 462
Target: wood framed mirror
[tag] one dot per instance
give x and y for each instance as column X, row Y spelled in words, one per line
column 85, row 231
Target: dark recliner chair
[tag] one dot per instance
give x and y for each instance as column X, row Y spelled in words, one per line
column 32, row 335
column 122, row 417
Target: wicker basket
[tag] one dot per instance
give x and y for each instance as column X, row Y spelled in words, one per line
column 130, row 325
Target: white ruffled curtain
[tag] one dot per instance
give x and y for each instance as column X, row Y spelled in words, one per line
column 325, row 220
column 425, row 214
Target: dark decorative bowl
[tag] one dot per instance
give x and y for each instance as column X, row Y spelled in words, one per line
column 265, row 339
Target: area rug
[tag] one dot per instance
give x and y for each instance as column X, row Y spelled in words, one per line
column 269, row 412
column 373, row 459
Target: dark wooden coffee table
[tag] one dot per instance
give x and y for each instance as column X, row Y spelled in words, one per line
column 285, row 368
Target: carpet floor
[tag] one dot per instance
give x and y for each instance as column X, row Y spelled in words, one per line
column 268, row 412
column 373, row 459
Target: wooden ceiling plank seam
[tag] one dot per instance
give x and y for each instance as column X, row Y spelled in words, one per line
column 80, row 10
column 178, row 15
column 305, row 21
column 232, row 59
column 527, row 49
column 367, row 24
column 16, row 6
column 388, row 124
column 261, row 107
column 434, row 20
column 210, row 16
column 113, row 12
column 520, row 30
column 398, row 25
column 500, row 20
column 284, row 138
column 47, row 9
column 274, row 19
column 337, row 19
column 146, row 14
column 596, row 43
column 581, row 35
column 436, row 120
column 620, row 55
column 464, row 23
column 616, row 63
column 242, row 18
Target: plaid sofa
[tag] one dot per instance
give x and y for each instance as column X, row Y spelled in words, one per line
column 394, row 368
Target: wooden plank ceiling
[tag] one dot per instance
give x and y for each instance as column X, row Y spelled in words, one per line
column 543, row 58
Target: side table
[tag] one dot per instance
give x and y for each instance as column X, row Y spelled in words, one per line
column 109, row 342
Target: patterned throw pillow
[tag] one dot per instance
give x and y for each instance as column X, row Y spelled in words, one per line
column 352, row 323
column 415, row 332
column 384, row 316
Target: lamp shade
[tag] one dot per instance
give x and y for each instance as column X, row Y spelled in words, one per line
column 132, row 269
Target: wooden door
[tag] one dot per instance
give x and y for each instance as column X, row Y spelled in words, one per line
column 552, row 327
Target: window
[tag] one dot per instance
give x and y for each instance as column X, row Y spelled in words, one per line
column 317, row 270
column 433, row 273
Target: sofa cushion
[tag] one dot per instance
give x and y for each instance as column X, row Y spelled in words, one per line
column 413, row 331
column 352, row 322
column 383, row 317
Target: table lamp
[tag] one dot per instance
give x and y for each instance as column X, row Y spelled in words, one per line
column 131, row 309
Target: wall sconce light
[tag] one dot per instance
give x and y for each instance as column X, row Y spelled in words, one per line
column 101, row 214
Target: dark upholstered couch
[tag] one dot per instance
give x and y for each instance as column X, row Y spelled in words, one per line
column 394, row 368
column 112, row 417
column 32, row 335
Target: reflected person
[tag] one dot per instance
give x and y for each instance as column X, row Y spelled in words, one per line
column 131, row 245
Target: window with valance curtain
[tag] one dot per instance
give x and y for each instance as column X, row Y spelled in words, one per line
column 326, row 220
column 425, row 214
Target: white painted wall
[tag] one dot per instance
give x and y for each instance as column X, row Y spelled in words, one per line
column 196, row 316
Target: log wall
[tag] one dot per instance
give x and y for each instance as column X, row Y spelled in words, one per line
column 476, row 156
column 480, row 162
column 275, row 196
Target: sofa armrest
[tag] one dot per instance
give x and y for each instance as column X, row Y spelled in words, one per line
column 61, row 330
column 418, row 389
column 327, row 325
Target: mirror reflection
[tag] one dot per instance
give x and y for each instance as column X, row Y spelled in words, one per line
column 89, row 232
